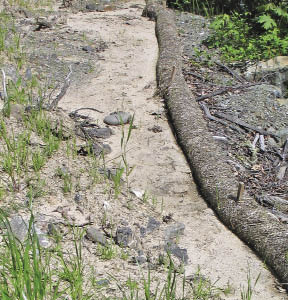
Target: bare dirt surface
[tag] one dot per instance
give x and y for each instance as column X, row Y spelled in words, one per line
column 113, row 55
column 127, row 82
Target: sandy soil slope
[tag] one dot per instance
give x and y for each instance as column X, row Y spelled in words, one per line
column 126, row 81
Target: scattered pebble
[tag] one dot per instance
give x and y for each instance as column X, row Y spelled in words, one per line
column 117, row 118
column 155, row 129
column 153, row 224
column 138, row 194
column 96, row 236
column 174, row 231
column 103, row 133
column 180, row 253
column 123, row 236
column 87, row 48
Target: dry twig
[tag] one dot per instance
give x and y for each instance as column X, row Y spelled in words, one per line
column 63, row 91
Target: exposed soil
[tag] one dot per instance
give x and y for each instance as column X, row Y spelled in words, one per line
column 113, row 56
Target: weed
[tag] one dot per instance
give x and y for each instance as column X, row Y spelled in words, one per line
column 35, row 189
column 38, row 160
column 15, row 155
column 67, row 180
column 117, row 181
column 124, row 143
column 25, row 271
column 246, row 293
column 107, row 252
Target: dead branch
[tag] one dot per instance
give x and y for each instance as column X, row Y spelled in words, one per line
column 285, row 149
column 5, row 96
column 63, row 91
column 226, row 90
column 262, row 143
column 84, row 108
column 230, row 71
column 237, row 121
column 196, row 75
column 74, row 225
column 210, row 117
column 255, row 140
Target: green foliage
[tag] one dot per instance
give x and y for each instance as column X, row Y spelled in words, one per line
column 253, row 35
column 26, row 268
column 253, row 30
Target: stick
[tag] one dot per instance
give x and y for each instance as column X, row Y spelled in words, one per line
column 225, row 90
column 63, row 91
column 210, row 117
column 255, row 140
column 233, row 73
column 285, row 149
column 262, row 143
column 172, row 75
column 244, row 124
column 74, row 225
column 90, row 108
column 196, row 75
column 240, row 191
column 5, row 96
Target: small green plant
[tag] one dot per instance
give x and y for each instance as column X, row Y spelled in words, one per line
column 73, row 268
column 107, row 252
column 67, row 180
column 38, row 160
column 2, row 192
column 247, row 293
column 25, row 271
column 117, row 181
column 36, row 188
column 14, row 155
column 124, row 142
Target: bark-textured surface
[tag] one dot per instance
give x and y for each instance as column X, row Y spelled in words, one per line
column 252, row 223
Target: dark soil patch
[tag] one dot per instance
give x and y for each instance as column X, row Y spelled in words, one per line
column 263, row 169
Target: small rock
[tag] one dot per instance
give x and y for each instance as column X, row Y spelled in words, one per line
column 52, row 229
column 138, row 194
column 96, row 236
column 102, row 282
column 87, row 48
column 140, row 260
column 91, row 6
column 155, row 129
column 142, row 231
column 77, row 198
column 124, row 236
column 180, row 253
column 283, row 134
column 117, row 118
column 153, row 224
column 19, row 228
column 28, row 74
column 103, row 133
column 174, row 231
column 100, row 148
column 140, row 252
